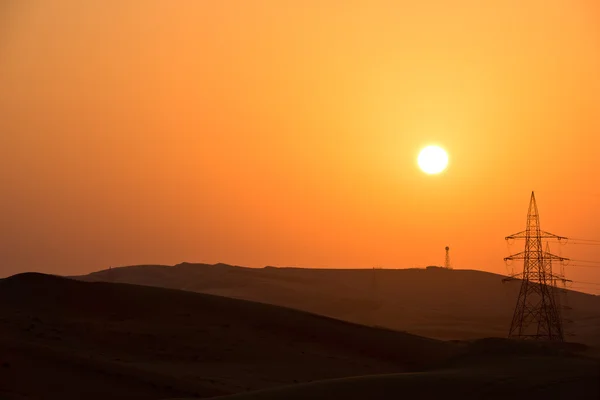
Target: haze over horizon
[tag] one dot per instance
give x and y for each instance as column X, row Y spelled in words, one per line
column 287, row 132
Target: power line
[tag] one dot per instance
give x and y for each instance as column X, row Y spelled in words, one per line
column 570, row 240
column 587, row 283
column 583, row 240
column 583, row 261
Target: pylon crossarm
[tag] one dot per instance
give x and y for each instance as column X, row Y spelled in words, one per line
column 547, row 256
column 518, row 256
column 543, row 235
column 553, row 257
column 548, row 235
column 518, row 235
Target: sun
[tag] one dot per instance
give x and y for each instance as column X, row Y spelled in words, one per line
column 433, row 160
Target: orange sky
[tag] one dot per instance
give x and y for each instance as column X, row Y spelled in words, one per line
column 274, row 132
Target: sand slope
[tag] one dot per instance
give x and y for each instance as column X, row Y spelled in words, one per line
column 67, row 339
column 521, row 378
column 438, row 303
column 485, row 369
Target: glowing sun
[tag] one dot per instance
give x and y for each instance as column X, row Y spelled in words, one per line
column 433, row 160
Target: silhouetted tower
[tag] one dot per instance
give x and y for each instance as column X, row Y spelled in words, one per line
column 447, row 261
column 536, row 314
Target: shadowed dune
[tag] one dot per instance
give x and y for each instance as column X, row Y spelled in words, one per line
column 521, row 378
column 67, row 339
column 437, row 303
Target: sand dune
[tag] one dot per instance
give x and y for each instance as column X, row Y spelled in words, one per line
column 62, row 338
column 518, row 378
column 437, row 303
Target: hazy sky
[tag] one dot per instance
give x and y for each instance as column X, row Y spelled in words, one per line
column 286, row 132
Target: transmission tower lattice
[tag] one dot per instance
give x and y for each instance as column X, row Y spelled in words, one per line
column 536, row 314
column 447, row 264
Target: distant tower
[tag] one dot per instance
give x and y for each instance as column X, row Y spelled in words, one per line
column 447, row 264
column 536, row 314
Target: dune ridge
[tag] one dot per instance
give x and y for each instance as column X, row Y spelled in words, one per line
column 433, row 302
column 104, row 340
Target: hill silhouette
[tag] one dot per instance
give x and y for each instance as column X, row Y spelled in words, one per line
column 433, row 302
column 66, row 339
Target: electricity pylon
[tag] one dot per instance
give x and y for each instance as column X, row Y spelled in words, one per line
column 447, row 264
column 536, row 314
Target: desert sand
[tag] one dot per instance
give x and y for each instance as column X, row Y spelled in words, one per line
column 62, row 338
column 435, row 302
column 67, row 339
column 514, row 378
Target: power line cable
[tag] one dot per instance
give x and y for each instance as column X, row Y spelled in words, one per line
column 575, row 260
column 587, row 283
column 583, row 240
